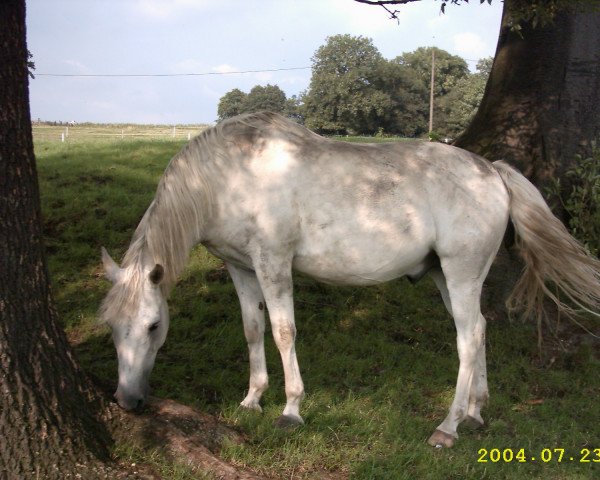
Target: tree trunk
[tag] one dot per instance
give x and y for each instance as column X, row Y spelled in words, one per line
column 50, row 424
column 53, row 421
column 541, row 103
column 540, row 108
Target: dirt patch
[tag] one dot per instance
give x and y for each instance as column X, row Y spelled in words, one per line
column 182, row 434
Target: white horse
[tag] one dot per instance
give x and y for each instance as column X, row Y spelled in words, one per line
column 267, row 196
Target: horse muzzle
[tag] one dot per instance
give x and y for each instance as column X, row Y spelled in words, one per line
column 131, row 402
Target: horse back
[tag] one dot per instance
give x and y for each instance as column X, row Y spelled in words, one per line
column 350, row 213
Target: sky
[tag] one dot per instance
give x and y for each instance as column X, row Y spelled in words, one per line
column 214, row 38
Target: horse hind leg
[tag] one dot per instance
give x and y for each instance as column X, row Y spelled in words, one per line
column 461, row 292
column 253, row 315
column 478, row 394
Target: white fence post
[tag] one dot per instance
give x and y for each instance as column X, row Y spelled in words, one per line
column 62, row 137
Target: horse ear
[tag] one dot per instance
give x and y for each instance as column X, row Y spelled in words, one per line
column 111, row 269
column 157, row 274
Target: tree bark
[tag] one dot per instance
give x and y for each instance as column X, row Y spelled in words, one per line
column 54, row 422
column 50, row 424
column 539, row 110
column 541, row 103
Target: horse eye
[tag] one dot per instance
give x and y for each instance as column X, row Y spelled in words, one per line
column 153, row 327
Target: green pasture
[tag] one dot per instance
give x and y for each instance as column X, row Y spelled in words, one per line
column 379, row 363
column 93, row 132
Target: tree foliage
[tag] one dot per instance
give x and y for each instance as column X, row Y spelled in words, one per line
column 579, row 196
column 231, row 104
column 355, row 90
column 345, row 92
column 449, row 68
column 450, row 71
column 462, row 101
column 268, row 97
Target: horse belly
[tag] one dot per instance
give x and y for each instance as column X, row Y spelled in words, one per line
column 346, row 256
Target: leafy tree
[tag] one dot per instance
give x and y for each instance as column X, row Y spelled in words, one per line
column 231, row 104
column 269, row 97
column 407, row 113
column 484, row 66
column 354, row 89
column 462, row 102
column 345, row 93
column 540, row 106
column 294, row 109
column 450, row 70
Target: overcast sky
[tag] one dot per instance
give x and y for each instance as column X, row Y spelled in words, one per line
column 214, row 36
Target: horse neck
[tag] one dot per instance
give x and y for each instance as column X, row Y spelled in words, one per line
column 174, row 221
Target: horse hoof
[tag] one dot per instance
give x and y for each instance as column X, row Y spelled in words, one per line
column 251, row 406
column 288, row 421
column 473, row 422
column 441, row 439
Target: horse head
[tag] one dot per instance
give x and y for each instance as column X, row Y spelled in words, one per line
column 136, row 310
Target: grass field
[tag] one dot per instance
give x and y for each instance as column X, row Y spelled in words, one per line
column 379, row 363
column 92, row 132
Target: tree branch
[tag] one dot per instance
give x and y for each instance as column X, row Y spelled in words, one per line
column 383, row 4
column 386, row 2
column 394, row 13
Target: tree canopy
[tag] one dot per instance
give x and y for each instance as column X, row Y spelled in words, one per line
column 354, row 89
column 345, row 92
column 462, row 101
column 268, row 97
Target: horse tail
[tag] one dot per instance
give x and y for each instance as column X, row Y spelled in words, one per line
column 551, row 255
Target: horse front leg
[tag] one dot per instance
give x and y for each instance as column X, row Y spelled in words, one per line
column 253, row 315
column 275, row 278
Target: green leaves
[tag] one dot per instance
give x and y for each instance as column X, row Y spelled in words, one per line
column 461, row 103
column 231, row 104
column 579, row 194
column 355, row 90
column 269, row 97
column 345, row 94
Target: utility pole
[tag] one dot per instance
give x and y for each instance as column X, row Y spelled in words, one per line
column 431, row 90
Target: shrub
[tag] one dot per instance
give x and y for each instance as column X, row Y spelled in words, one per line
column 580, row 198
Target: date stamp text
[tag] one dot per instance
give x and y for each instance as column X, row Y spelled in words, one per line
column 545, row 455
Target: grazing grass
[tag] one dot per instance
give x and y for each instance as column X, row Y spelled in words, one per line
column 379, row 363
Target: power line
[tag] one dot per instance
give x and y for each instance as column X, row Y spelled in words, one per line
column 201, row 74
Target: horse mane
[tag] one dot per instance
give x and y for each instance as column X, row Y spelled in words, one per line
column 174, row 221
column 170, row 227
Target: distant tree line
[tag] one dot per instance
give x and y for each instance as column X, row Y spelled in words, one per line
column 269, row 97
column 354, row 90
